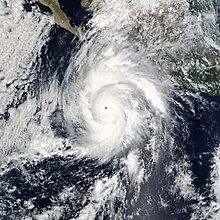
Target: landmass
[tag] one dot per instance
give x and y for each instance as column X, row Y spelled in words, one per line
column 61, row 18
column 199, row 71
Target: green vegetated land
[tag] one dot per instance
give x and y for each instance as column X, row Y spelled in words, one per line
column 198, row 74
column 199, row 71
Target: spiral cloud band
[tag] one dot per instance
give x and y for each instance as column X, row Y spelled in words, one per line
column 114, row 103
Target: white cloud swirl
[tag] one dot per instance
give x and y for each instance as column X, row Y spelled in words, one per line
column 111, row 106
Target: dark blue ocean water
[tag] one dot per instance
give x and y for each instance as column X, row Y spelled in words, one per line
column 197, row 137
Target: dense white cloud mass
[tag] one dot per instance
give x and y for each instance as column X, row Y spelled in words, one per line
column 117, row 107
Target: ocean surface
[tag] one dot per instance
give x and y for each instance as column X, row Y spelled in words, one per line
column 99, row 127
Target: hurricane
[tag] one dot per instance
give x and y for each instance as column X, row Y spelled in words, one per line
column 114, row 102
column 120, row 121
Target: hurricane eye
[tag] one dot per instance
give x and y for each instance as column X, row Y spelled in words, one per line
column 106, row 107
